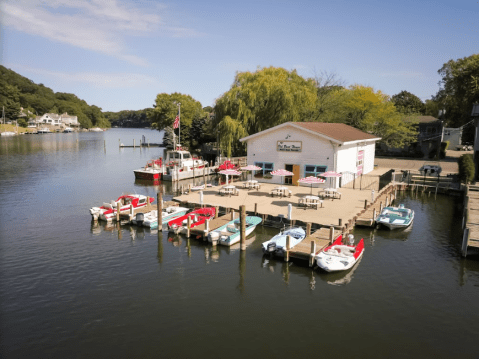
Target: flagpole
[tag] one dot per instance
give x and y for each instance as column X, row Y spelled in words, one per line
column 179, row 125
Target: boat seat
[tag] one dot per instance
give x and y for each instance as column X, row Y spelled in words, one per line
column 107, row 205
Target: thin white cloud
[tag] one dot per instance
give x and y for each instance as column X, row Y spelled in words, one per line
column 96, row 25
column 95, row 79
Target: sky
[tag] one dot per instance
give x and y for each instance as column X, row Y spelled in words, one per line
column 119, row 55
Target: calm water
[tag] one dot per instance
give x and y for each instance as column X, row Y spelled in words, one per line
column 72, row 289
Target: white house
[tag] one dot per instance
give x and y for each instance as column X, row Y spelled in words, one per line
column 309, row 149
column 54, row 120
column 69, row 120
column 453, row 135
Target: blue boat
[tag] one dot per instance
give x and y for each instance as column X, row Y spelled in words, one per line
column 277, row 244
column 229, row 233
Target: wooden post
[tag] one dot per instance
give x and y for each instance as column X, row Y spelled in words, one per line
column 160, row 210
column 131, row 211
column 313, row 253
column 340, row 222
column 118, row 212
column 188, row 226
column 286, row 252
column 365, row 203
column 207, row 227
column 256, row 208
column 380, row 206
column 308, row 228
column 232, row 214
column 343, row 232
column 331, row 234
column 217, row 211
column 374, row 215
column 242, row 227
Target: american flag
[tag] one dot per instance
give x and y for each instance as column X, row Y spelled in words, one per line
column 176, row 124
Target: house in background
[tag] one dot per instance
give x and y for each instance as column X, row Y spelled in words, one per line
column 52, row 119
column 454, row 136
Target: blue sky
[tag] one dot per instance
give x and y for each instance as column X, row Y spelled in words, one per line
column 119, row 55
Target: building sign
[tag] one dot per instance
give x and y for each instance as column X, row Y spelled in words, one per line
column 290, row 146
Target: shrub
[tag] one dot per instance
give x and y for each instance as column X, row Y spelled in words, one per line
column 466, row 168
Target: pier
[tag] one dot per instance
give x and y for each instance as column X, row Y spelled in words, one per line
column 470, row 221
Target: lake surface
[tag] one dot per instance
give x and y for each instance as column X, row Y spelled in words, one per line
column 73, row 289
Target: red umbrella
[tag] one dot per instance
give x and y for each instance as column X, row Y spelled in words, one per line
column 251, row 168
column 311, row 180
column 282, row 173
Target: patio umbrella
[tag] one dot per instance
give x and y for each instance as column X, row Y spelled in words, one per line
column 251, row 168
column 282, row 173
column 311, row 180
column 330, row 174
column 229, row 173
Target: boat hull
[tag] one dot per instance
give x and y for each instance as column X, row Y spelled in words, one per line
column 336, row 265
column 148, row 174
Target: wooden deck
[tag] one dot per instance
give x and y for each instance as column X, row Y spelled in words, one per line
column 366, row 217
column 312, row 245
column 471, row 219
column 214, row 224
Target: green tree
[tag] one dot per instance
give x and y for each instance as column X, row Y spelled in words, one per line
column 166, row 109
column 459, row 89
column 372, row 112
column 408, row 104
column 260, row 100
column 9, row 100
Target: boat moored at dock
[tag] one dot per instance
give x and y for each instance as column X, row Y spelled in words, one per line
column 277, row 244
column 150, row 219
column 395, row 217
column 198, row 216
column 229, row 233
column 339, row 256
column 107, row 212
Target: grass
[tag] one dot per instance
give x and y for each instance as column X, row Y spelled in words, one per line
column 13, row 128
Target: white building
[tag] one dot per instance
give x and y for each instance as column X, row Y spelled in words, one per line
column 453, row 135
column 309, row 149
column 54, row 120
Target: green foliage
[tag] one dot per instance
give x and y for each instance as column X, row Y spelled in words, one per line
column 444, row 147
column 17, row 91
column 466, row 168
column 459, row 89
column 369, row 111
column 431, row 108
column 407, row 103
column 260, row 100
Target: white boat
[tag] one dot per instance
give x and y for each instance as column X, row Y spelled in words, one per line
column 43, row 130
column 229, row 234
column 339, row 256
column 68, row 130
column 107, row 212
column 276, row 244
column 395, row 217
column 180, row 164
column 201, row 187
column 8, row 133
column 150, row 219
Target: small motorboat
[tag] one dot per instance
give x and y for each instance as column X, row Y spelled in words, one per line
column 150, row 219
column 153, row 170
column 201, row 187
column 198, row 216
column 107, row 212
column 339, row 256
column 229, row 234
column 395, row 217
column 68, row 130
column 276, row 244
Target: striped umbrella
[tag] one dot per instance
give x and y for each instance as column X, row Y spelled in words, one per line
column 251, row 168
column 311, row 180
column 229, row 173
column 282, row 173
column 330, row 174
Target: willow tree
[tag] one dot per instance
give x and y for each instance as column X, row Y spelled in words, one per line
column 259, row 100
column 166, row 109
column 370, row 111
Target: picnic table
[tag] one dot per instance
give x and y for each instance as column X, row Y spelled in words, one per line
column 281, row 191
column 330, row 193
column 252, row 184
column 229, row 190
column 310, row 201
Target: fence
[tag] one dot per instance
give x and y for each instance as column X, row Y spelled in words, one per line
column 362, row 182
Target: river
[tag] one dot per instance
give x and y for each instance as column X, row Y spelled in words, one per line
column 72, row 289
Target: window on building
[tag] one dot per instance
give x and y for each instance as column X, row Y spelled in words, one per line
column 266, row 168
column 314, row 170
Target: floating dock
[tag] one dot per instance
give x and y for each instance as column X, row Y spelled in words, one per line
column 470, row 221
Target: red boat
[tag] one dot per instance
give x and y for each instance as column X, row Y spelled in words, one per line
column 107, row 212
column 198, row 216
column 152, row 171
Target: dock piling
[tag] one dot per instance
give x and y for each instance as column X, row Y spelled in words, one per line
column 340, row 222
column 243, row 227
column 313, row 253
column 331, row 234
column 365, row 204
column 188, row 226
column 118, row 212
column 286, row 252
column 131, row 212
column 308, row 229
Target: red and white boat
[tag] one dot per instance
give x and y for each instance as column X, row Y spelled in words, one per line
column 153, row 170
column 339, row 256
column 107, row 212
column 198, row 216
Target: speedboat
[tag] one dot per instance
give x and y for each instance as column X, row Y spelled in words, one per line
column 395, row 217
column 150, row 219
column 153, row 170
column 107, row 212
column 276, row 244
column 198, row 216
column 339, row 256
column 229, row 234
column 68, row 130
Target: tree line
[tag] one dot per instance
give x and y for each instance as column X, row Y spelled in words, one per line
column 18, row 92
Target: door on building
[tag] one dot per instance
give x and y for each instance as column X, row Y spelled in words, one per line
column 296, row 175
column 288, row 179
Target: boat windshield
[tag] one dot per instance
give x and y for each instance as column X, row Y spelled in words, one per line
column 186, row 156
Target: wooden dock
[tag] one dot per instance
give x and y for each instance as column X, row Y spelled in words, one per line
column 471, row 219
column 314, row 243
column 367, row 216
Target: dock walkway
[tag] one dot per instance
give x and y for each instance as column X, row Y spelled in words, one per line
column 471, row 219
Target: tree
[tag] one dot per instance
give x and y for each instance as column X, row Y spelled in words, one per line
column 459, row 89
column 408, row 104
column 260, row 100
column 372, row 112
column 9, row 100
column 166, row 109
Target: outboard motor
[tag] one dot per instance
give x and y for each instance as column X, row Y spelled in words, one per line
column 140, row 217
column 271, row 247
column 351, row 239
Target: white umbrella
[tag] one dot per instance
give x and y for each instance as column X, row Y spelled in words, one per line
column 330, row 174
column 251, row 168
column 229, row 173
column 282, row 173
column 311, row 180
